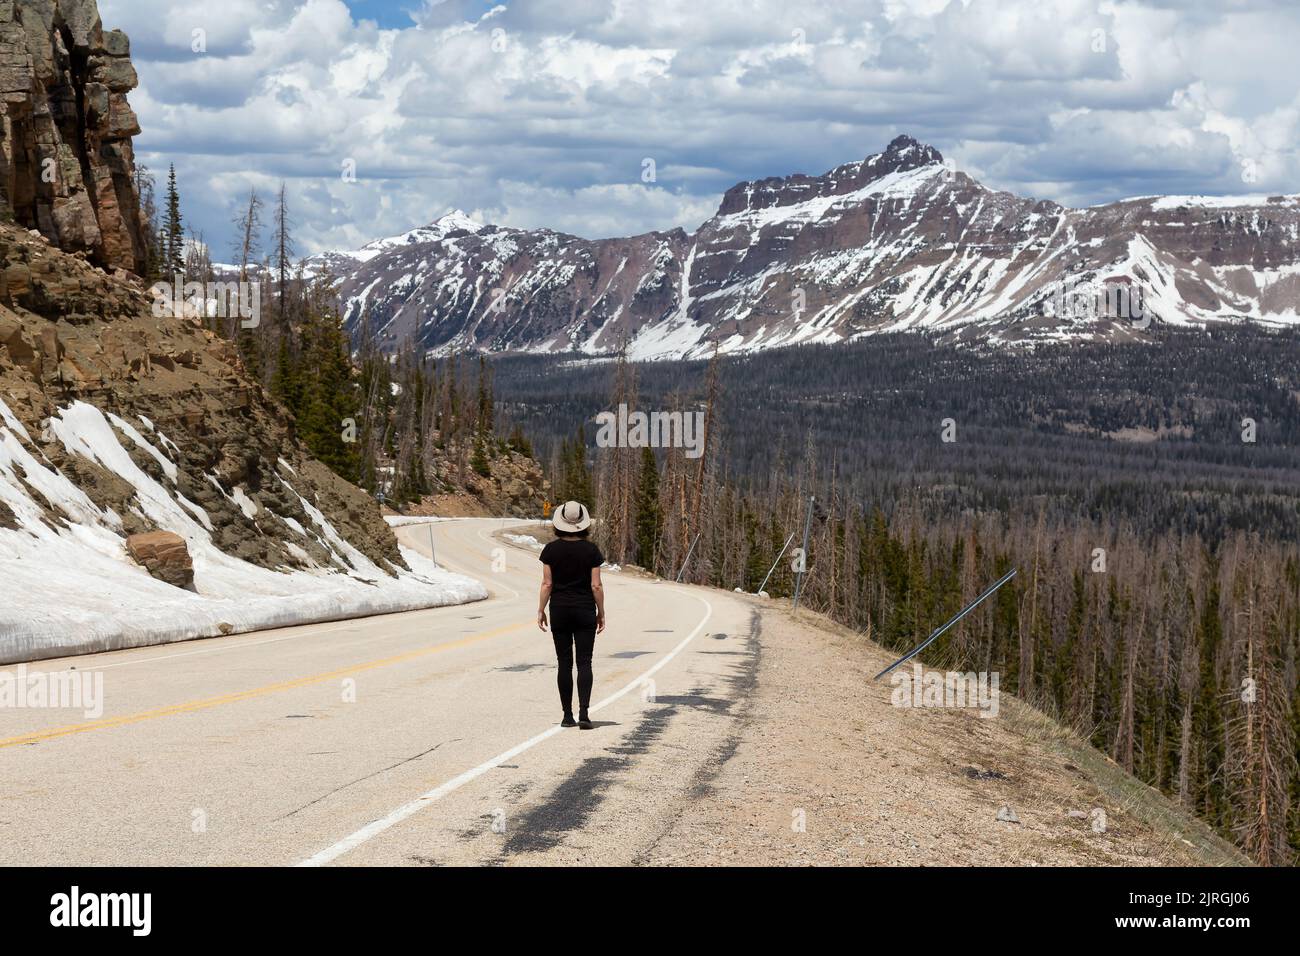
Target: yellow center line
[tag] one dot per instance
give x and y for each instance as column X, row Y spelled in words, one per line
column 195, row 705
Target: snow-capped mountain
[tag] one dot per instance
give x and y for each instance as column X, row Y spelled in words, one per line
column 898, row 241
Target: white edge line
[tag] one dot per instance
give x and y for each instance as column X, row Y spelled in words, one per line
column 371, row 830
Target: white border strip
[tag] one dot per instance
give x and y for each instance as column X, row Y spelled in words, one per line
column 371, row 830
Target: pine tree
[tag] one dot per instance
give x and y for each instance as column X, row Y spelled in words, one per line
column 578, row 480
column 479, row 459
column 519, row 442
column 173, row 232
column 1208, row 713
column 283, row 256
column 250, row 352
column 649, row 518
column 329, row 396
column 1293, row 814
column 484, row 424
column 486, row 404
column 284, row 380
column 248, row 231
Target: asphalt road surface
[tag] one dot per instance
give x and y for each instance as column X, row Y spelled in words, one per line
column 424, row 738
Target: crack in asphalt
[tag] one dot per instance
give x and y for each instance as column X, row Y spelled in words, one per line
column 326, row 796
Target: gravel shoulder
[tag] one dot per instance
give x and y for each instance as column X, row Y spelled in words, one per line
column 822, row 769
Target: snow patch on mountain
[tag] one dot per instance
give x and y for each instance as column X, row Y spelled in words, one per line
column 899, row 241
column 1222, row 202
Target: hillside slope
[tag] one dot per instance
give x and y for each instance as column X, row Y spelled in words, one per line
column 900, row 241
column 115, row 422
column 823, row 769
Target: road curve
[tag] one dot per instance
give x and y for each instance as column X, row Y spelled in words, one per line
column 423, row 738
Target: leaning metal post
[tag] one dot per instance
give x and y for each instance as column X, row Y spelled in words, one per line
column 776, row 562
column 798, row 584
column 688, row 558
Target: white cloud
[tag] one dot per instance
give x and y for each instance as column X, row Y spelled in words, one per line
column 542, row 112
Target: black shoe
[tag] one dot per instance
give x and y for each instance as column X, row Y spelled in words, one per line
column 585, row 723
column 568, row 721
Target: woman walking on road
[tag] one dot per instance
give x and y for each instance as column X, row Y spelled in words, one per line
column 571, row 582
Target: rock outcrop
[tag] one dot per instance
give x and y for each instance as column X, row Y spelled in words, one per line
column 164, row 555
column 69, row 333
column 66, row 162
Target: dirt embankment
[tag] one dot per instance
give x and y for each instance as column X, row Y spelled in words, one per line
column 824, row 769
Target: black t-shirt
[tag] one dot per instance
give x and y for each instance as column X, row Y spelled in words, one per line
column 571, row 561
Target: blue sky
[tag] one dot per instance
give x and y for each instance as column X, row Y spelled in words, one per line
column 548, row 112
column 391, row 14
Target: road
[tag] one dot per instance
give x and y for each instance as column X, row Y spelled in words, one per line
column 424, row 738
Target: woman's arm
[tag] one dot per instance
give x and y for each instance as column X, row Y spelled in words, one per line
column 544, row 596
column 599, row 593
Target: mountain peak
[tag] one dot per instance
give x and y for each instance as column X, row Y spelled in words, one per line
column 455, row 220
column 903, row 154
column 906, row 149
column 890, row 242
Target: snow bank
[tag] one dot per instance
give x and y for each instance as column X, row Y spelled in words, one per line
column 70, row 587
column 402, row 521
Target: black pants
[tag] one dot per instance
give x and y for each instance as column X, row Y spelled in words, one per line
column 574, row 627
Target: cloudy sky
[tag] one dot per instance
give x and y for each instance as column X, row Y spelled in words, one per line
column 549, row 112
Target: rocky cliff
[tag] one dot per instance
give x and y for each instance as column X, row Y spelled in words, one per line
column 66, row 161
